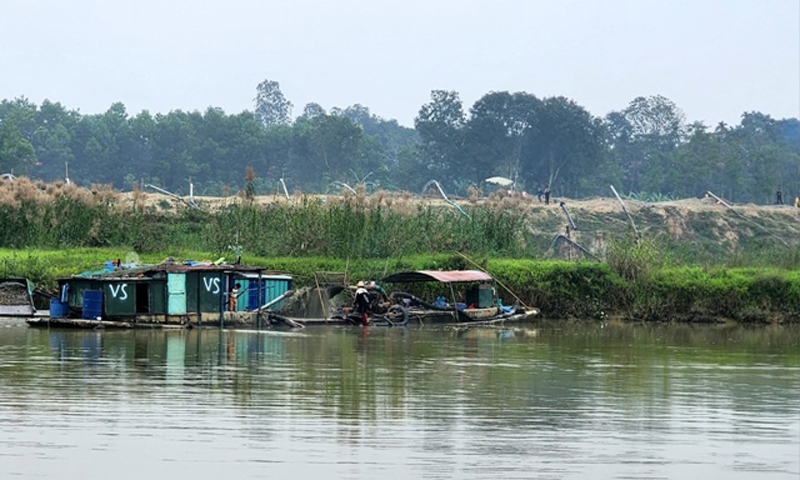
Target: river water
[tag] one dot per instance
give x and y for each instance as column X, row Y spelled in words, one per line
column 549, row 400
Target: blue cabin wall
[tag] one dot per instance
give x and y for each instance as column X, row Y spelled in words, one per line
column 272, row 287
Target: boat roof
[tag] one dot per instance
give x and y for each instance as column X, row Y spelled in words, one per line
column 443, row 276
column 144, row 272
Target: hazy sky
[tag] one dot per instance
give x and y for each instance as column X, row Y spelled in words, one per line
column 714, row 58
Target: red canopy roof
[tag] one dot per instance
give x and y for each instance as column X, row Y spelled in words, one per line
column 449, row 276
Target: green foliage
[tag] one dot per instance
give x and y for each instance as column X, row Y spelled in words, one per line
column 16, row 152
column 646, row 147
column 352, row 228
column 632, row 257
column 43, row 267
column 272, row 108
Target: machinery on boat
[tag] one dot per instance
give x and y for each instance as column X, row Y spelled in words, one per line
column 467, row 297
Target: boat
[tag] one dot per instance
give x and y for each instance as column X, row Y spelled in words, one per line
column 175, row 295
column 463, row 297
column 169, row 295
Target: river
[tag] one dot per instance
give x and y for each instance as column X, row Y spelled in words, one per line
column 569, row 400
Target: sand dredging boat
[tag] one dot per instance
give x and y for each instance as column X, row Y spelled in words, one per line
column 203, row 294
column 419, row 297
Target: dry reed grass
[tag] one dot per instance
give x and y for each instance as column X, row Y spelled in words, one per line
column 22, row 190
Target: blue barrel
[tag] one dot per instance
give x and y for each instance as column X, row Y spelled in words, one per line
column 58, row 309
column 92, row 304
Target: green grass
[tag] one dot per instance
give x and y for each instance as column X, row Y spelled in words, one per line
column 43, row 267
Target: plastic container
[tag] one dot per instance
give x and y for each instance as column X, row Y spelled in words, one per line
column 92, row 304
column 58, row 309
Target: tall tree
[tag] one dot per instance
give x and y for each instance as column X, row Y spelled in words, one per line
column 694, row 167
column 384, row 140
column 52, row 139
column 138, row 148
column 16, row 152
column 326, row 148
column 173, row 148
column 272, row 108
column 440, row 126
column 566, row 145
column 763, row 151
column 23, row 113
column 312, row 110
column 642, row 136
column 497, row 125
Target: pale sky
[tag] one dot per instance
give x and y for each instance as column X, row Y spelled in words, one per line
column 714, row 58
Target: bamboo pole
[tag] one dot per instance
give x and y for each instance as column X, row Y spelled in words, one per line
column 561, row 237
column 444, row 196
column 625, row 209
column 569, row 217
column 454, row 300
column 161, row 190
column 321, row 302
column 730, row 207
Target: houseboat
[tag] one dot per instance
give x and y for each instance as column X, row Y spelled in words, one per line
column 169, row 294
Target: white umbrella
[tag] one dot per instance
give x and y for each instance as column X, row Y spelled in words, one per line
column 502, row 181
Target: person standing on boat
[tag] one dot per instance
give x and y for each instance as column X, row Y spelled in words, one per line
column 233, row 297
column 382, row 295
column 362, row 303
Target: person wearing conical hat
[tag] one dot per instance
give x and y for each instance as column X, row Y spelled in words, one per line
column 362, row 303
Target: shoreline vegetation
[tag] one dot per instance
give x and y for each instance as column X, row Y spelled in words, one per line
column 692, row 261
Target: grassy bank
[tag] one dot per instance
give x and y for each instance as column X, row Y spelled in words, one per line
column 388, row 225
column 586, row 290
column 695, row 262
column 58, row 216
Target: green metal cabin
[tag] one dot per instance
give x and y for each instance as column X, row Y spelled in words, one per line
column 169, row 293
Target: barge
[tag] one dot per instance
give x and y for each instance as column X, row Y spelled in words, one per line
column 168, row 295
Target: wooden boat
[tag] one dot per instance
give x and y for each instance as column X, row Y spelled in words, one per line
column 478, row 304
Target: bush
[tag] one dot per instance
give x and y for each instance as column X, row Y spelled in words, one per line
column 633, row 258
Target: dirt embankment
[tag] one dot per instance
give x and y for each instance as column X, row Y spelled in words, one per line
column 595, row 219
column 728, row 227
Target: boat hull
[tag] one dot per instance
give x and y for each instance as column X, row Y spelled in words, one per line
column 415, row 317
column 248, row 320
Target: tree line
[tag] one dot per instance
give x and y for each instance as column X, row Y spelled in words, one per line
column 647, row 149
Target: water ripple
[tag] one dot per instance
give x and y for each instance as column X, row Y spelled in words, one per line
column 394, row 404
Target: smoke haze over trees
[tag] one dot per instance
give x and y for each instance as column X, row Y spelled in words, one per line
column 645, row 148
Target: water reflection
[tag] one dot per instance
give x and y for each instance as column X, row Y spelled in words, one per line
column 561, row 400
